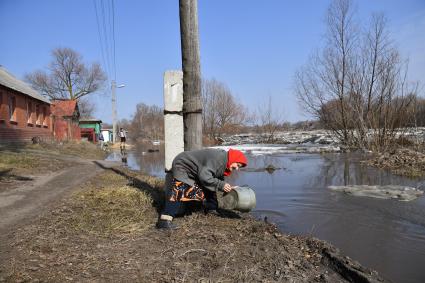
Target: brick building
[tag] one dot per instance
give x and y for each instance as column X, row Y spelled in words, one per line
column 65, row 116
column 24, row 113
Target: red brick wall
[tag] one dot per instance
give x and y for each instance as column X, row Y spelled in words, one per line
column 22, row 127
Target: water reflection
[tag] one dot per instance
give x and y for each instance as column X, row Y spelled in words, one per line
column 123, row 156
column 264, row 163
column 347, row 169
column 145, row 157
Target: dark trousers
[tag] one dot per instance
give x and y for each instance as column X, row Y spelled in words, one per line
column 174, row 208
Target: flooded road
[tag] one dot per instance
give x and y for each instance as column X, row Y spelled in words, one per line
column 144, row 157
column 386, row 235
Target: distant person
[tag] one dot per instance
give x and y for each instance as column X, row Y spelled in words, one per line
column 197, row 176
column 101, row 141
column 122, row 138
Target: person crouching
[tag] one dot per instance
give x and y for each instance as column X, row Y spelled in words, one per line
column 197, row 176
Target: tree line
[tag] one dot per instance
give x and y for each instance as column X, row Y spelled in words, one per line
column 222, row 114
column 357, row 85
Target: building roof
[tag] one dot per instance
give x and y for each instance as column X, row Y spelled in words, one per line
column 10, row 81
column 90, row 120
column 62, row 108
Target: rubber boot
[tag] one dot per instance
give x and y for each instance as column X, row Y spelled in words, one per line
column 166, row 224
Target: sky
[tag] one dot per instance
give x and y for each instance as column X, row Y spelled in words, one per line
column 254, row 47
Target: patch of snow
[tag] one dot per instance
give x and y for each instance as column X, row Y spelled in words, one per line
column 267, row 149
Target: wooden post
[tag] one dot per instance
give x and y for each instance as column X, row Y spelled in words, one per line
column 192, row 106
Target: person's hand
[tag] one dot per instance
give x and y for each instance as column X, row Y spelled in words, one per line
column 227, row 188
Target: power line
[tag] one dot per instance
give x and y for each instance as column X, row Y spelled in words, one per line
column 101, row 40
column 105, row 19
column 106, row 35
column 113, row 37
column 108, row 22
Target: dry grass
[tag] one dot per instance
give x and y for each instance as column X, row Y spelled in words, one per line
column 111, row 210
column 86, row 150
column 17, row 160
column 401, row 161
column 113, row 204
column 16, row 163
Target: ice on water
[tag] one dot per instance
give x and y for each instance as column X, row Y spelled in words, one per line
column 402, row 193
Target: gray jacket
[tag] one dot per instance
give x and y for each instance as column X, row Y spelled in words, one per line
column 205, row 167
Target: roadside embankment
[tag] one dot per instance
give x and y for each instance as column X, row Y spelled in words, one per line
column 85, row 150
column 105, row 232
column 24, row 163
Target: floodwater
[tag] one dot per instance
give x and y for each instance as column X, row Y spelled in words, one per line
column 144, row 157
column 386, row 235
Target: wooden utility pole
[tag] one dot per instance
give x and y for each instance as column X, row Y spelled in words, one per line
column 192, row 106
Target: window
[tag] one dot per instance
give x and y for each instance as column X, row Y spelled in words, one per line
column 12, row 108
column 29, row 112
column 37, row 114
column 41, row 116
column 44, row 118
column 2, row 115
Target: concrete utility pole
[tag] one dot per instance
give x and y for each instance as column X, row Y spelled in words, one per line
column 114, row 110
column 173, row 116
column 114, row 113
column 192, row 106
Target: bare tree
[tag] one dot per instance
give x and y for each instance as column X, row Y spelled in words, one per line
column 147, row 123
column 230, row 114
column 357, row 86
column 209, row 107
column 270, row 119
column 221, row 113
column 418, row 119
column 86, row 107
column 322, row 85
column 68, row 77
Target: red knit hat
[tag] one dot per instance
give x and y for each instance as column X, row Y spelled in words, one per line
column 233, row 156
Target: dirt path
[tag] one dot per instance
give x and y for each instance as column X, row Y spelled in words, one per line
column 19, row 206
column 26, row 201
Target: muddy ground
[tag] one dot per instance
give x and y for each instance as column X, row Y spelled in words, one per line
column 105, row 232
